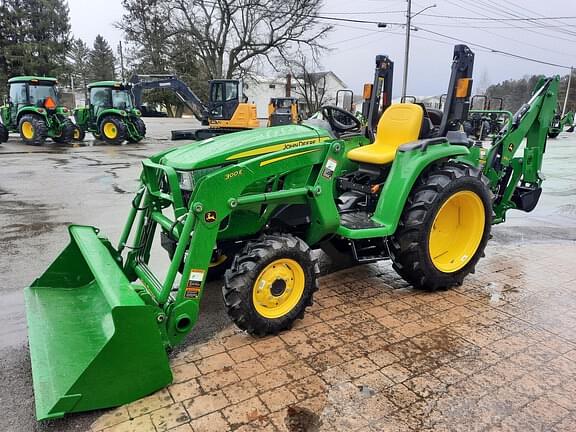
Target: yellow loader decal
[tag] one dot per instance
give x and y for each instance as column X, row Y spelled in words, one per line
column 280, row 158
column 277, row 147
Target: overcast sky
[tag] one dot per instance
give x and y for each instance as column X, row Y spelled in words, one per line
column 354, row 45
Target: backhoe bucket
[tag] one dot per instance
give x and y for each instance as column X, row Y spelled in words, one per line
column 93, row 342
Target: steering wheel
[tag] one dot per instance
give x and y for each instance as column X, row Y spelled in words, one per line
column 340, row 120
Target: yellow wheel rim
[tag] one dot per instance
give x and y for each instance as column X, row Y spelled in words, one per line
column 76, row 133
column 457, row 231
column 110, row 130
column 27, row 130
column 279, row 288
column 220, row 260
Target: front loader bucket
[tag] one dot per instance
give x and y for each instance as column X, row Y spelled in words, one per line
column 93, row 342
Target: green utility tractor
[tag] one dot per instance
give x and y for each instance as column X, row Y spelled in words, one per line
column 32, row 109
column 110, row 115
column 257, row 203
column 486, row 118
column 559, row 122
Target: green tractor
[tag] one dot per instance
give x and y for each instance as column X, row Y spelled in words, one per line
column 559, row 122
column 257, row 203
column 110, row 115
column 32, row 109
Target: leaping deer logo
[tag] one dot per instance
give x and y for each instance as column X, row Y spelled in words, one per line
column 210, row 216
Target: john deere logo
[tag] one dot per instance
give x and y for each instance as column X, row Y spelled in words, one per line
column 299, row 143
column 210, row 216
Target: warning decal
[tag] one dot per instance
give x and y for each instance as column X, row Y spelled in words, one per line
column 329, row 169
column 194, row 283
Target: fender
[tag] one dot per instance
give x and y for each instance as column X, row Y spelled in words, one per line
column 32, row 110
column 110, row 111
column 410, row 162
column 82, row 116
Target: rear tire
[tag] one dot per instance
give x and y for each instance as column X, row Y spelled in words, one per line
column 140, row 126
column 429, row 250
column 112, row 130
column 270, row 284
column 79, row 133
column 33, row 129
column 67, row 133
column 3, row 133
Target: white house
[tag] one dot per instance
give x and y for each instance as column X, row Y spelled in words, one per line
column 259, row 90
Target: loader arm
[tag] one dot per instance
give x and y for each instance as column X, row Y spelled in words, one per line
column 184, row 93
column 514, row 180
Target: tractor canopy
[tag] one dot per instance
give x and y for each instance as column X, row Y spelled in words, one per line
column 111, row 95
column 35, row 91
column 33, row 79
column 225, row 149
column 112, row 84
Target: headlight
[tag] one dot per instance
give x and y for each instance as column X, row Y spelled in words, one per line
column 186, row 180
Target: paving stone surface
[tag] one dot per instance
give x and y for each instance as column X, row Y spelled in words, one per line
column 495, row 354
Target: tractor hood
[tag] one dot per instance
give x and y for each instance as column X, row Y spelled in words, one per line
column 232, row 147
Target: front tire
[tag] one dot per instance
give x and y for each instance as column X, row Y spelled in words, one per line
column 66, row 134
column 140, row 127
column 79, row 133
column 33, row 129
column 444, row 227
column 270, row 284
column 112, row 130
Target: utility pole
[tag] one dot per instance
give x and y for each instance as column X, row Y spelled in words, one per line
column 409, row 17
column 407, row 47
column 120, row 51
column 567, row 91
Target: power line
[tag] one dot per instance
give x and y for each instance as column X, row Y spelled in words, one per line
column 485, row 47
column 480, row 5
column 494, row 50
column 539, row 14
column 366, row 12
column 524, row 43
column 497, row 19
column 489, row 49
column 503, row 11
column 496, row 27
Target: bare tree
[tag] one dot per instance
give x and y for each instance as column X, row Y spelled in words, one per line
column 232, row 37
column 310, row 85
column 209, row 39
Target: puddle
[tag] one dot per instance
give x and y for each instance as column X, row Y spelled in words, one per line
column 300, row 419
column 366, row 391
column 19, row 231
column 567, row 210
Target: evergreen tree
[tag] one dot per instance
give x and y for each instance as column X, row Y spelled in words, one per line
column 34, row 38
column 79, row 64
column 101, row 61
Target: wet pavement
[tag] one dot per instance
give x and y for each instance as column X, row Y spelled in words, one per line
column 372, row 354
column 498, row 353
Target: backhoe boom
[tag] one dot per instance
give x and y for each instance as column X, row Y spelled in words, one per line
column 516, row 181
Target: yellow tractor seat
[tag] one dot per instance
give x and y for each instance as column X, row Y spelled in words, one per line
column 400, row 124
